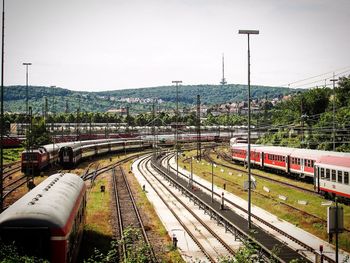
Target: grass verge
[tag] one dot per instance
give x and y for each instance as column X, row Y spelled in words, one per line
column 270, row 201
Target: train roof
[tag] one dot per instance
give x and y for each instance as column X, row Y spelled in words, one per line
column 336, row 161
column 49, row 204
column 293, row 152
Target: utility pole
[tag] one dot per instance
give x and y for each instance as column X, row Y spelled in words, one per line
column 153, row 128
column 333, row 130
column 45, row 109
column 248, row 33
column 177, row 82
column 67, row 107
column 27, row 102
column 2, row 108
column 127, row 118
column 199, row 145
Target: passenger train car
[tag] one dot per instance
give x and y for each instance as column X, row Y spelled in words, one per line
column 48, row 221
column 35, row 160
column 70, row 155
column 329, row 171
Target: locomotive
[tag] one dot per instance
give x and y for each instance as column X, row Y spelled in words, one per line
column 328, row 170
column 48, row 221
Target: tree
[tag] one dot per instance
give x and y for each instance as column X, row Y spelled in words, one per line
column 38, row 135
column 343, row 91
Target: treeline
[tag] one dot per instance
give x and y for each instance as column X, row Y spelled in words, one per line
column 64, row 100
column 318, row 118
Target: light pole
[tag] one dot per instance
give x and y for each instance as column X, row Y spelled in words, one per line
column 177, row 82
column 248, row 33
column 333, row 80
column 2, row 106
column 27, row 64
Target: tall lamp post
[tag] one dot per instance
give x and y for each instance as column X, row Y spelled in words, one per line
column 333, row 129
column 2, row 106
column 248, row 33
column 27, row 64
column 177, row 82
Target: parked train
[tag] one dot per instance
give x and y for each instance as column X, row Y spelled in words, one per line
column 48, row 221
column 329, row 171
column 70, row 153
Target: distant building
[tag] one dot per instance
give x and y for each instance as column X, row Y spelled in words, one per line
column 120, row 111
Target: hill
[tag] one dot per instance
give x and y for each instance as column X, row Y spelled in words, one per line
column 137, row 99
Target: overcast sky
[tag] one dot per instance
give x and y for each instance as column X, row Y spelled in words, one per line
column 95, row 45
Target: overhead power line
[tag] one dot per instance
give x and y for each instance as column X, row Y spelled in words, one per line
column 347, row 69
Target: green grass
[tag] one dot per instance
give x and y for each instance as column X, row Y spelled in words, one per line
column 12, row 154
column 97, row 231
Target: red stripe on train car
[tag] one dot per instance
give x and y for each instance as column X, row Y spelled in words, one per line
column 335, row 192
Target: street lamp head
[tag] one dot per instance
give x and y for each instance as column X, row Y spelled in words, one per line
column 177, row 81
column 27, row 64
column 249, row 32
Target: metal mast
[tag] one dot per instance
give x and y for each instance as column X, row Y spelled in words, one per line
column 2, row 106
column 223, row 80
column 199, row 146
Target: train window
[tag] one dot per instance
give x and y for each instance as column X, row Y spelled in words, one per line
column 298, row 161
column 328, row 174
column 283, row 159
column 312, row 163
column 322, row 172
column 340, row 177
column 346, row 177
column 334, row 175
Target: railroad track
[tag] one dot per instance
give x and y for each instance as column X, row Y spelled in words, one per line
column 128, row 215
column 226, row 158
column 11, row 169
column 271, row 226
column 303, row 212
column 209, row 242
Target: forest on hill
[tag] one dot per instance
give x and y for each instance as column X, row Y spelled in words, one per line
column 305, row 119
column 64, row 100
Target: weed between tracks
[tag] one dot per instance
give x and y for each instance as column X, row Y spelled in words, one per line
column 270, row 201
column 98, row 232
column 156, row 232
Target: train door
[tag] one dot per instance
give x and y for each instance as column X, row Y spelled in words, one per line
column 287, row 163
column 317, row 173
column 302, row 166
column 66, row 157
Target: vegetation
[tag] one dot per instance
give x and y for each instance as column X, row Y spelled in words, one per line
column 10, row 254
column 307, row 119
column 63, row 100
column 12, row 154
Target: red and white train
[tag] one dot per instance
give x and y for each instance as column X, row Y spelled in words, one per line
column 328, row 170
column 36, row 160
column 48, row 221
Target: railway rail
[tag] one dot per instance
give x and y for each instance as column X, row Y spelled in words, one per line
column 228, row 159
column 209, row 242
column 11, row 168
column 127, row 211
column 305, row 213
column 271, row 226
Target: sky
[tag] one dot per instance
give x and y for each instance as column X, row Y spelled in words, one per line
column 97, row 45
